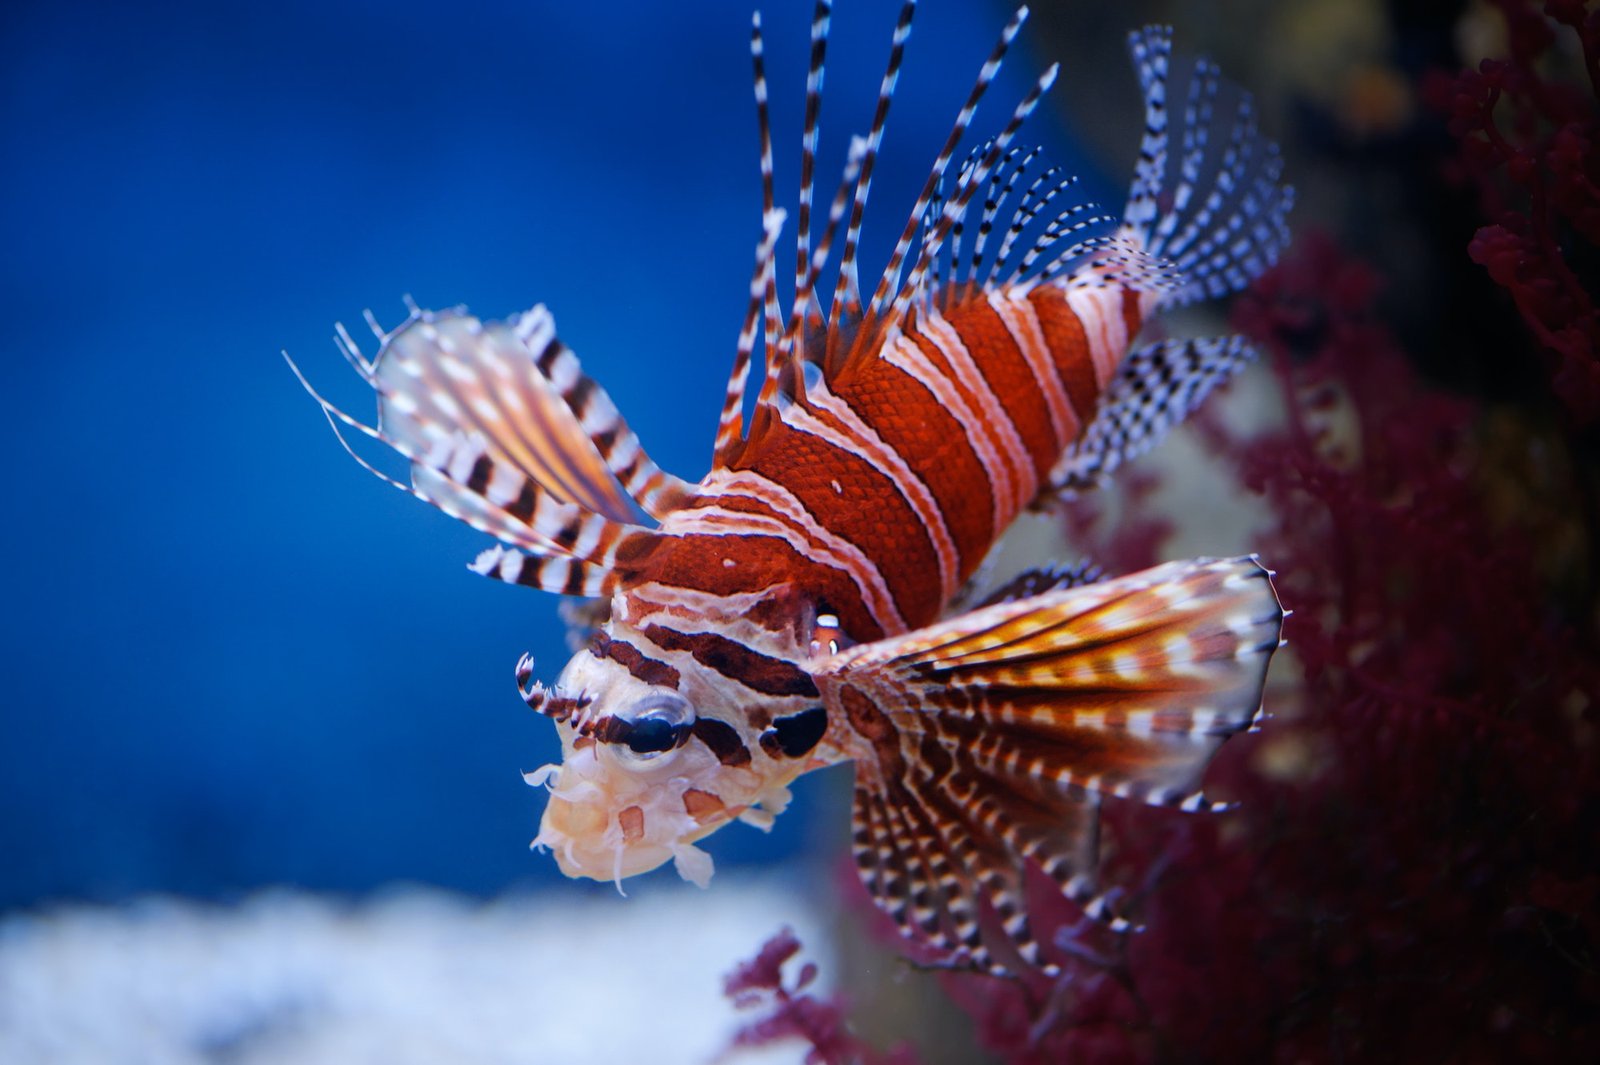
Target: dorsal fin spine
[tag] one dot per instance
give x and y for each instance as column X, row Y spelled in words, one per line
column 730, row 425
column 845, row 310
column 957, row 205
column 820, row 20
column 785, row 370
column 879, row 304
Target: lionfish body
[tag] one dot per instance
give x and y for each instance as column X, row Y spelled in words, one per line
column 794, row 609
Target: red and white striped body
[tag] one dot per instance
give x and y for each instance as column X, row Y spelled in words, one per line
column 893, row 480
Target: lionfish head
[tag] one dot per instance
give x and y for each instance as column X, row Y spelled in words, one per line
column 650, row 765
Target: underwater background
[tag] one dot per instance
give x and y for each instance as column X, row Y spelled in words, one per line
column 260, row 754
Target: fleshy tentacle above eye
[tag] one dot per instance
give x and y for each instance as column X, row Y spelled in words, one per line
column 988, row 739
column 505, row 433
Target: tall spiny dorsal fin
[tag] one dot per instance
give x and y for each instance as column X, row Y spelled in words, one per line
column 821, row 18
column 771, row 315
column 1011, row 169
column 730, row 427
column 1068, row 222
column 986, row 74
column 844, row 312
column 784, row 367
column 934, row 210
column 783, row 348
column 956, row 206
column 1033, row 201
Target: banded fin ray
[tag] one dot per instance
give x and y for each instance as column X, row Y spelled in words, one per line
column 505, row 433
column 1157, row 386
column 1005, row 727
column 524, row 390
column 1215, row 207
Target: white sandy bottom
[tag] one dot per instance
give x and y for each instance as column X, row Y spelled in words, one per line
column 418, row 976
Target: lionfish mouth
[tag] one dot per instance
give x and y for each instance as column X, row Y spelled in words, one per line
column 588, row 841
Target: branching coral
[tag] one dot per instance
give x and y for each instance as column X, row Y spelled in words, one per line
column 1530, row 142
column 789, row 1012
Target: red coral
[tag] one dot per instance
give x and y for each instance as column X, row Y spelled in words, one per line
column 1530, row 140
column 792, row 1013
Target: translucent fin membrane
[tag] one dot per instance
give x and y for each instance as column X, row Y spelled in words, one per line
column 1215, row 205
column 995, row 735
column 504, row 432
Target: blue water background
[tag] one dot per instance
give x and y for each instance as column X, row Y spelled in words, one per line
column 232, row 658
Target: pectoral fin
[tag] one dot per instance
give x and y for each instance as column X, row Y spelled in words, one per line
column 989, row 739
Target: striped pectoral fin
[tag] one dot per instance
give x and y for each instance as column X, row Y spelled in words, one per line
column 548, row 573
column 504, row 433
column 503, row 412
column 522, row 390
column 990, row 739
column 942, row 851
column 1156, row 387
column 1121, row 688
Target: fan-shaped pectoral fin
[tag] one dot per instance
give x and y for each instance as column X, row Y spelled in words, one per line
column 989, row 740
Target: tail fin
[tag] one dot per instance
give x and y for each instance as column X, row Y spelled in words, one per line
column 1206, row 193
column 990, row 738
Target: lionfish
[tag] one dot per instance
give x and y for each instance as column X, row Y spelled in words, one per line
column 808, row 602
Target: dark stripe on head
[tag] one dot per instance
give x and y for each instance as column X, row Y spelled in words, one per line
column 723, row 739
column 795, row 735
column 648, row 670
column 732, row 659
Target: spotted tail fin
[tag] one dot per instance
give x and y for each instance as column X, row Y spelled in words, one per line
column 1207, row 195
column 504, row 432
column 989, row 739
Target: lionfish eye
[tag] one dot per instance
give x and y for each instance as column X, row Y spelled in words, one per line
column 654, row 725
